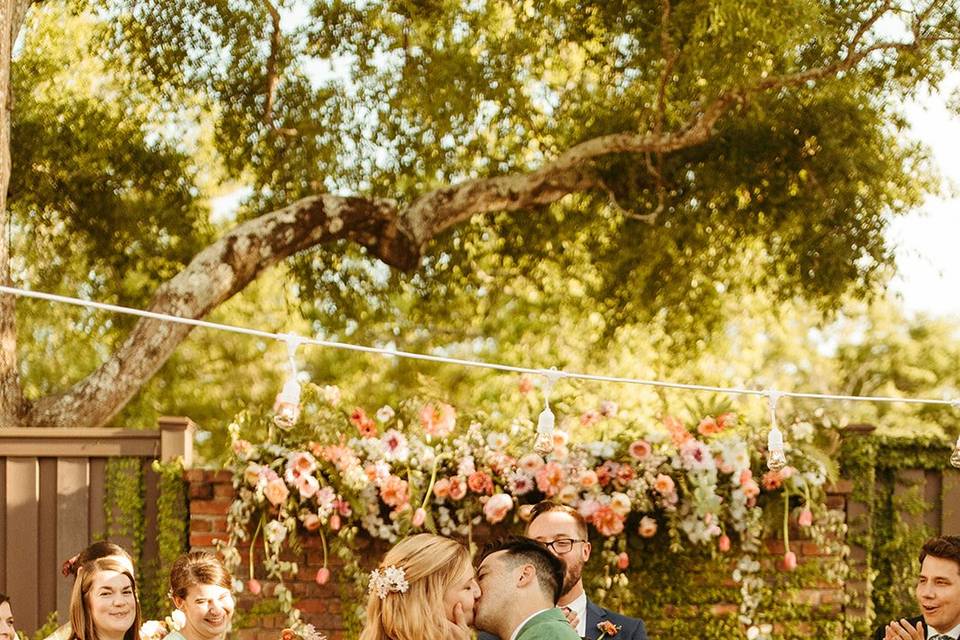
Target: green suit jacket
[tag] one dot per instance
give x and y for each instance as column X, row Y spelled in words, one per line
column 548, row 625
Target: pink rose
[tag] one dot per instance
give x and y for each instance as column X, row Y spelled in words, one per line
column 479, row 482
column 335, row 522
column 253, row 586
column 789, row 561
column 323, row 575
column 806, row 518
column 497, row 507
column 607, row 521
column 623, row 561
column 276, row 491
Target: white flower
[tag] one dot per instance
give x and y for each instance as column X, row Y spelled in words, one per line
column 498, row 441
column 331, row 393
column 275, row 532
column 385, row 413
column 178, row 619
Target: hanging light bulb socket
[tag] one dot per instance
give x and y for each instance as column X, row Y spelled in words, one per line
column 776, row 456
column 286, row 408
column 543, row 444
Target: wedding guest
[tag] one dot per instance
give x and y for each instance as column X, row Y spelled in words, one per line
column 424, row 589
column 520, row 582
column 201, row 590
column 104, row 604
column 97, row 550
column 7, row 630
column 938, row 594
column 564, row 531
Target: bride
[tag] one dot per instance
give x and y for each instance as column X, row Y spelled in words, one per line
column 424, row 589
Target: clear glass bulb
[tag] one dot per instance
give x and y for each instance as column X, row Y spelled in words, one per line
column 955, row 456
column 543, row 444
column 776, row 459
column 286, row 409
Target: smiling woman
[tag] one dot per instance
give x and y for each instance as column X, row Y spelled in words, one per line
column 200, row 587
column 7, row 632
column 104, row 603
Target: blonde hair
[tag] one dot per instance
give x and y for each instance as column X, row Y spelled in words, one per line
column 431, row 565
column 80, row 619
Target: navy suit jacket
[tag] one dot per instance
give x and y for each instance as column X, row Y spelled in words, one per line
column 881, row 632
column 630, row 628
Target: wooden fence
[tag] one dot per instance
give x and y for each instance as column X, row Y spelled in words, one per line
column 52, row 503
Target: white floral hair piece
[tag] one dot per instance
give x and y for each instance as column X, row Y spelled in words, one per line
column 390, row 579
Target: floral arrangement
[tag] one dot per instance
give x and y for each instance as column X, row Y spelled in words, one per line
column 426, row 466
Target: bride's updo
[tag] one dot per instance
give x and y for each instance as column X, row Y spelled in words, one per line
column 407, row 589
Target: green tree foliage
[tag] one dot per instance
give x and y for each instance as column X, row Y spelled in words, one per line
column 674, row 164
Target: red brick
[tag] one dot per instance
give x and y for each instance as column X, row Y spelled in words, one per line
column 312, row 605
column 193, row 475
column 211, row 507
column 200, row 491
column 811, row 549
column 221, row 476
column 200, row 526
column 223, row 491
column 205, row 540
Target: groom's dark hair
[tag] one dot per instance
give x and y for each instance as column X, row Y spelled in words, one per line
column 519, row 550
column 945, row 547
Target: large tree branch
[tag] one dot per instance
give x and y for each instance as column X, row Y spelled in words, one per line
column 396, row 237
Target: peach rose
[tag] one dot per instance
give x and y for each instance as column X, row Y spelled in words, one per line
column 441, row 488
column 648, row 527
column 438, row 420
column 394, row 491
column 640, row 449
column 497, row 507
column 708, row 427
column 607, row 521
column 567, row 494
column 663, row 484
column 276, row 491
column 458, row 488
column 588, row 479
column 311, row 522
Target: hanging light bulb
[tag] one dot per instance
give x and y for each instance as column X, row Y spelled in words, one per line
column 543, row 444
column 776, row 458
column 286, row 408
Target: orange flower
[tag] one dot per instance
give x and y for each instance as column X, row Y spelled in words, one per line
column 394, row 491
column 663, row 484
column 438, row 420
column 709, row 426
column 607, row 521
column 772, row 480
column 480, row 482
column 678, row 432
column 364, row 423
column 441, row 488
column 588, row 479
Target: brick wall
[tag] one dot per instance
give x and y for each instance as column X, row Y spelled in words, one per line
column 211, row 492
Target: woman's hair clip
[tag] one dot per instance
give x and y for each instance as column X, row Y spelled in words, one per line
column 390, row 579
column 69, row 566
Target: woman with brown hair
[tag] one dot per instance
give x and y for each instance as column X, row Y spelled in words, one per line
column 104, row 604
column 424, row 589
column 71, row 567
column 200, row 587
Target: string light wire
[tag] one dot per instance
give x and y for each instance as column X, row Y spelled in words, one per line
column 550, row 374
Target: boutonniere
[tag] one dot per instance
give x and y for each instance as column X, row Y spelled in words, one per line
column 607, row 629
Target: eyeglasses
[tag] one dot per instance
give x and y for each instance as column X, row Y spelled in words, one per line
column 561, row 546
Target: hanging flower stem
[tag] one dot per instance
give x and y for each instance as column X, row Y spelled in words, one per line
column 433, row 480
column 252, row 541
column 786, row 519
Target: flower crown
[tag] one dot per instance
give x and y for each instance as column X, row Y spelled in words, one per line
column 390, row 579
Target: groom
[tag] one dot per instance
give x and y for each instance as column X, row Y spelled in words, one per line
column 520, row 581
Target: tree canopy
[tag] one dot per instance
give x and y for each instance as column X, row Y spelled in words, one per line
column 437, row 173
